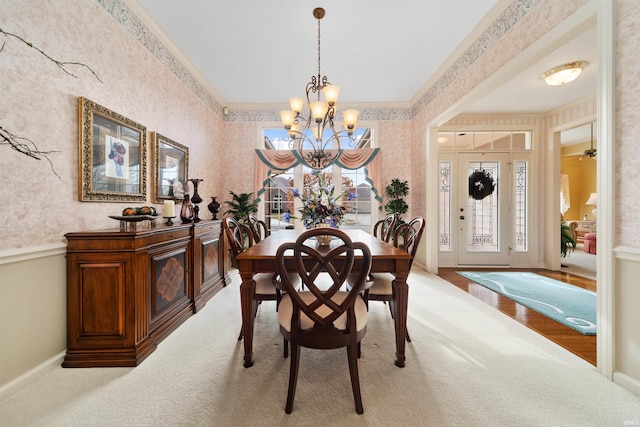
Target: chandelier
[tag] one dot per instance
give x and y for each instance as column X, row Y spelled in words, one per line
column 307, row 134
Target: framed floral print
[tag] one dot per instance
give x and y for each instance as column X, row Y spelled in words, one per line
column 113, row 155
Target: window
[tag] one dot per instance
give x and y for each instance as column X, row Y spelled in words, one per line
column 278, row 200
column 445, row 206
column 484, row 141
column 521, row 220
column 278, row 197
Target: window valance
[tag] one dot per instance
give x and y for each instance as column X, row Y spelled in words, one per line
column 269, row 162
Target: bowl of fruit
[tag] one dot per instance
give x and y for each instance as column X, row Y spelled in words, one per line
column 137, row 214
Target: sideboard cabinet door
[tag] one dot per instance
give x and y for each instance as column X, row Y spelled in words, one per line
column 126, row 291
column 209, row 267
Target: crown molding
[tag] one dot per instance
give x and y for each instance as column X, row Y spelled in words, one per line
column 132, row 17
column 269, row 113
column 506, row 20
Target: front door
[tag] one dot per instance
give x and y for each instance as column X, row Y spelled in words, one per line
column 483, row 209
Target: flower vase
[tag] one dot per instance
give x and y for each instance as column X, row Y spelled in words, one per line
column 196, row 199
column 214, row 207
column 323, row 239
column 186, row 212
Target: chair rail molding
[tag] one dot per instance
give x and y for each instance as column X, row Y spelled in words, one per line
column 26, row 254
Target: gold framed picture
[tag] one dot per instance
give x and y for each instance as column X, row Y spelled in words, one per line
column 113, row 155
column 170, row 168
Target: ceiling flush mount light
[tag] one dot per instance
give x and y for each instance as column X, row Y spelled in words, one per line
column 307, row 135
column 563, row 74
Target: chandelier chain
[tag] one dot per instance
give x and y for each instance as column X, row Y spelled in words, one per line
column 319, row 74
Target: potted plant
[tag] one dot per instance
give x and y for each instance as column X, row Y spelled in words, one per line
column 567, row 242
column 240, row 206
column 396, row 191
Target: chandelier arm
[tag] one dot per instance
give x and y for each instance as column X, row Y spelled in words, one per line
column 313, row 86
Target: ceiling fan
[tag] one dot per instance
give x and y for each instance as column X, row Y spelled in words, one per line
column 591, row 152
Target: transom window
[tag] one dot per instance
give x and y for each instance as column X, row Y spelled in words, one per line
column 484, row 141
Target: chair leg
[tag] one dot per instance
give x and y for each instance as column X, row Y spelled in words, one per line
column 255, row 307
column 286, row 348
column 391, row 309
column 293, row 376
column 240, row 336
column 355, row 379
column 408, row 337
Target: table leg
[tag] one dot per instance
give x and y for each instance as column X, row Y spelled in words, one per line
column 247, row 289
column 400, row 304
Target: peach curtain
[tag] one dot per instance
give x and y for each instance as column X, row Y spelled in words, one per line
column 266, row 162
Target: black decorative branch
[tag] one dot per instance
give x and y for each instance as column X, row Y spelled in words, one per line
column 25, row 145
column 60, row 64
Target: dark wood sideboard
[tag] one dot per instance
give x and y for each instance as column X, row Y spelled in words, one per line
column 128, row 290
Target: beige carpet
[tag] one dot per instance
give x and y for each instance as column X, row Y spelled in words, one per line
column 468, row 365
column 580, row 263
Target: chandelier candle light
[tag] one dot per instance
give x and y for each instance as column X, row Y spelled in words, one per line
column 309, row 140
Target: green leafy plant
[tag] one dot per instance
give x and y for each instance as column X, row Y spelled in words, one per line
column 240, row 206
column 567, row 243
column 396, row 191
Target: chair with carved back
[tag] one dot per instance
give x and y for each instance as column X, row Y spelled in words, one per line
column 380, row 285
column 383, row 229
column 258, row 228
column 322, row 316
column 268, row 286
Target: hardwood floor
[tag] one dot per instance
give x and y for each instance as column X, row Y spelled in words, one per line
column 581, row 345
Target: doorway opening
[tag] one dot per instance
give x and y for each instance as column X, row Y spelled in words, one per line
column 484, row 205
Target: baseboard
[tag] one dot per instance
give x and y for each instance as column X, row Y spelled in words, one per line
column 625, row 381
column 14, row 385
column 419, row 265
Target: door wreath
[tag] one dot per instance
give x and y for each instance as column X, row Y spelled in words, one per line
column 481, row 184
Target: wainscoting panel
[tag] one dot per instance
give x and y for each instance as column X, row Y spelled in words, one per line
column 33, row 314
column 626, row 295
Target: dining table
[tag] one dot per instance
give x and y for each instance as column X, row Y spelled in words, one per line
column 261, row 258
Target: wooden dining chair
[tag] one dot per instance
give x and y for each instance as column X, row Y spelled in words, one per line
column 268, row 285
column 258, row 228
column 380, row 285
column 323, row 316
column 383, row 229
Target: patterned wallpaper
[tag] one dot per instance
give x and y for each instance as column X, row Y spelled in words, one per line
column 40, row 102
column 627, row 157
column 138, row 29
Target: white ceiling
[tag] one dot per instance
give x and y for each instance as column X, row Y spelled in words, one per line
column 377, row 51
column 260, row 51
